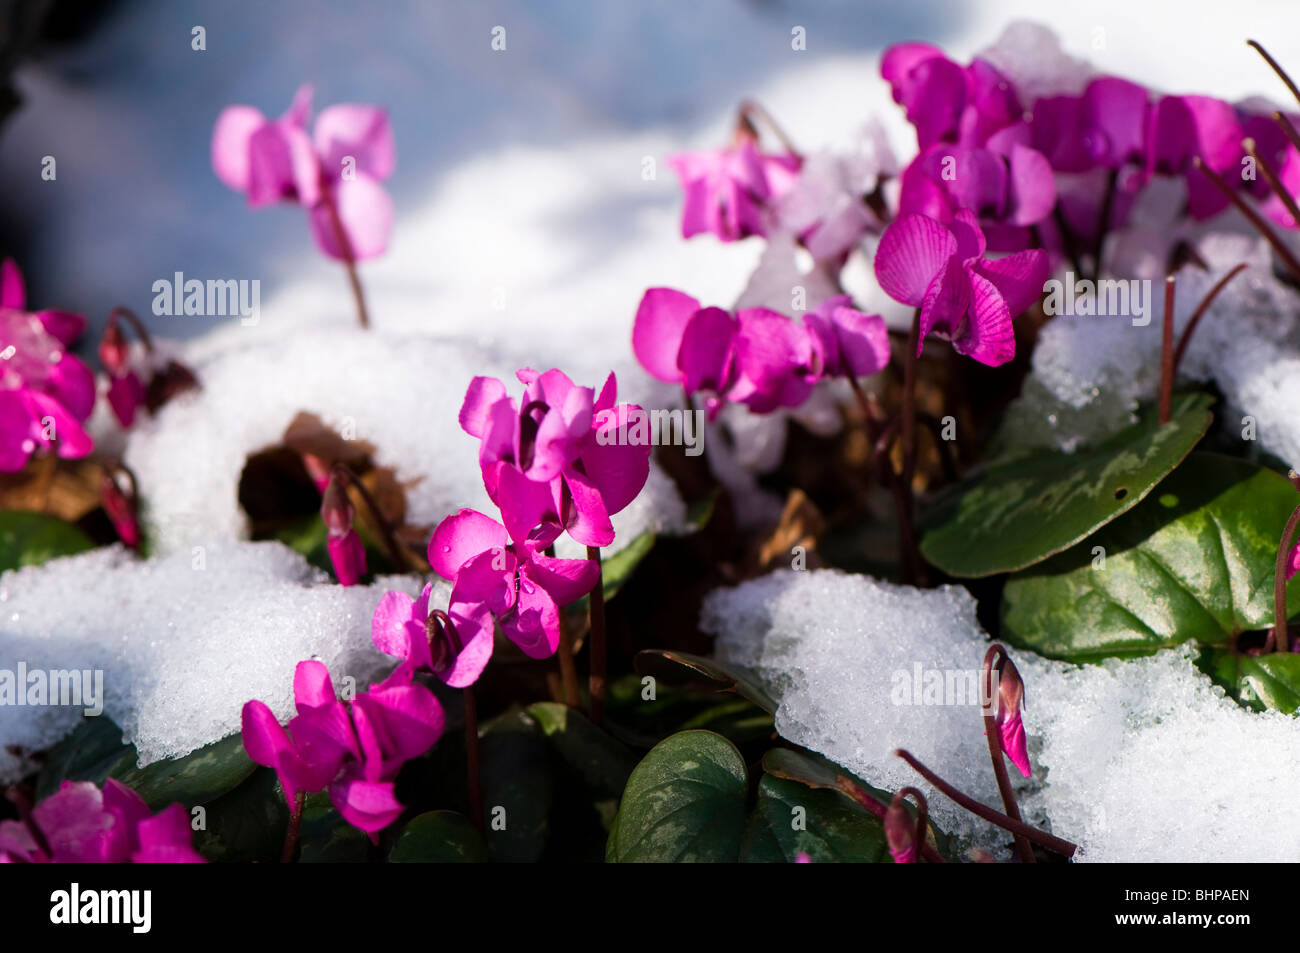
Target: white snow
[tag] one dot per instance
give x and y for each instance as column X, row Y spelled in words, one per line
column 1089, row 372
column 182, row 641
column 832, row 645
column 1139, row 760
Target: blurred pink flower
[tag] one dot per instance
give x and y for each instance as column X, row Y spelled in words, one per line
column 334, row 172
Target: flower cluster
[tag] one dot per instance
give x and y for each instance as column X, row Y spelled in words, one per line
column 355, row 750
column 756, row 356
column 80, row 824
column 46, row 393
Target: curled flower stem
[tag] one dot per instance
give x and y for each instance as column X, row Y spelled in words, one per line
column 1288, row 129
column 343, row 473
column 136, row 325
column 922, row 817
column 854, row 793
column 1167, row 366
column 1261, row 226
column 1277, row 68
column 291, row 832
column 349, row 259
column 564, row 652
column 439, row 620
column 994, row 736
column 1271, row 177
column 1200, row 312
column 750, row 110
column 1278, row 636
column 1041, row 838
column 596, row 620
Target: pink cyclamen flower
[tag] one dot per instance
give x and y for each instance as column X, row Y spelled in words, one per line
column 355, row 751
column 549, row 461
column 728, row 191
column 1006, row 183
column 346, row 550
column 945, row 101
column 1184, row 128
column 508, row 578
column 126, row 391
column 758, row 357
column 456, row 648
column 45, row 392
column 81, row 824
column 962, row 295
column 334, row 172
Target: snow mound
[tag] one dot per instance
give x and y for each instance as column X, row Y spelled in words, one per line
column 842, row 653
column 1133, row 760
column 1148, row 761
column 182, row 640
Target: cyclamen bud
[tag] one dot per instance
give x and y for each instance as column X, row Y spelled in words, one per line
column 347, row 553
column 119, row 504
column 113, row 348
column 901, row 828
column 336, row 509
column 1011, row 698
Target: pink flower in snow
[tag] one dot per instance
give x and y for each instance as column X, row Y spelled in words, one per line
column 355, row 751
column 729, row 191
column 962, row 295
column 757, row 357
column 334, row 172
column 508, row 578
column 80, row 824
column 548, row 462
column 45, row 392
column 455, row 646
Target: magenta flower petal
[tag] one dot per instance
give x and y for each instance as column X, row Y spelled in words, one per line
column 394, row 725
column 74, row 823
column 1019, row 278
column 365, row 213
column 534, row 626
column 587, row 520
column 63, row 325
column 72, row 384
column 617, row 470
column 362, row 133
column 476, row 628
column 165, row 838
column 488, row 579
column 367, row 805
column 987, row 335
column 483, row 392
column 527, row 507
column 13, row 294
column 70, row 440
column 282, row 166
column 657, row 331
column 348, row 554
column 863, row 341
column 230, row 144
column 566, row 580
column 705, row 355
column 912, row 251
column 1032, row 187
column 126, row 394
column 946, row 301
column 1014, row 743
column 461, row 537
